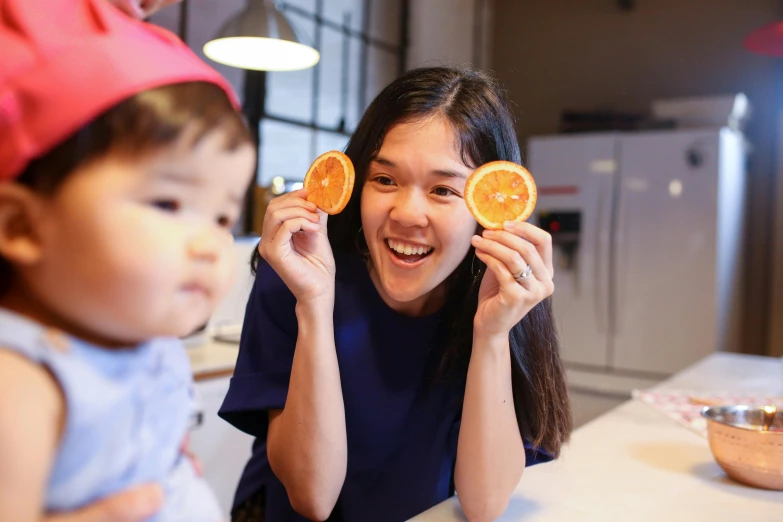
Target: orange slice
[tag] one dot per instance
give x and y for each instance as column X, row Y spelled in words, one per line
column 329, row 181
column 500, row 191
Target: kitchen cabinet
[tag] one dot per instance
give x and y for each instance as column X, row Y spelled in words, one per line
column 222, row 449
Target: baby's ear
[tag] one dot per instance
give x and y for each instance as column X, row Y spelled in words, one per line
column 20, row 208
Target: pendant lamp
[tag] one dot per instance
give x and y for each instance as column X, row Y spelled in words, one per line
column 260, row 38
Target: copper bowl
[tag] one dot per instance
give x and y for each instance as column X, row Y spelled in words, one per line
column 747, row 442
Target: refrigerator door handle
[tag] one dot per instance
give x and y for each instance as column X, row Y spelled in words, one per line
column 622, row 254
column 599, row 305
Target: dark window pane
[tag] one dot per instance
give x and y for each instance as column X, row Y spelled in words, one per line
column 330, row 69
column 285, row 151
column 344, row 84
column 289, row 93
column 326, row 141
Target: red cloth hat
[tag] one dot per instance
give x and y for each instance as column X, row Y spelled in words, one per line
column 767, row 40
column 64, row 62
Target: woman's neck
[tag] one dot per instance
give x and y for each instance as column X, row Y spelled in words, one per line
column 422, row 306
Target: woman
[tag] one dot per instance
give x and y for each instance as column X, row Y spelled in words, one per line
column 395, row 355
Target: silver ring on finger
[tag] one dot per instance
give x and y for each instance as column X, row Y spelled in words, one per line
column 523, row 274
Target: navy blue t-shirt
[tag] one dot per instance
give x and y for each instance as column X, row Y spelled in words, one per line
column 402, row 424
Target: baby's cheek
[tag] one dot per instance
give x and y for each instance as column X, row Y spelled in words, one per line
column 226, row 275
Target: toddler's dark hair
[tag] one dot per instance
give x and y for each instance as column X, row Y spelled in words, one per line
column 137, row 126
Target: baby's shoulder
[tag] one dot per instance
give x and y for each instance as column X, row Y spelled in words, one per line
column 29, row 339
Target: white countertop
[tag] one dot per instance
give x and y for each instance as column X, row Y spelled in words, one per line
column 634, row 464
column 212, row 359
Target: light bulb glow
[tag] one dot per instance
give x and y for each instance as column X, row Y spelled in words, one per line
column 262, row 54
column 675, row 188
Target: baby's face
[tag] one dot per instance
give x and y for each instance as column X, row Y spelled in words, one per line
column 140, row 249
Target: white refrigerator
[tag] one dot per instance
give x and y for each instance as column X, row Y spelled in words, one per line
column 647, row 228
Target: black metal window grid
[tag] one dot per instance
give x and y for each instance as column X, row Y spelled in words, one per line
column 259, row 90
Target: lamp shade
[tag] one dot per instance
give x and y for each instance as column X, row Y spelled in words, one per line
column 261, row 38
column 767, row 40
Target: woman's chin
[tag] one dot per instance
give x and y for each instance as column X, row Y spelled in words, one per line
column 403, row 296
column 412, row 299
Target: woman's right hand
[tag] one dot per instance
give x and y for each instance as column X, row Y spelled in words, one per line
column 132, row 505
column 295, row 244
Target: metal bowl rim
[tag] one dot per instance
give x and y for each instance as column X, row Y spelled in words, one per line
column 743, row 407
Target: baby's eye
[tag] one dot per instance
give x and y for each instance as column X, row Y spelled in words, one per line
column 225, row 222
column 443, row 191
column 384, row 180
column 168, row 205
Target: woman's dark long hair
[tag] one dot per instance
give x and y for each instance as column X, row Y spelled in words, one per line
column 477, row 108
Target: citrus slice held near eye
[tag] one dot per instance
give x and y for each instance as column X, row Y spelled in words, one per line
column 329, row 181
column 500, row 191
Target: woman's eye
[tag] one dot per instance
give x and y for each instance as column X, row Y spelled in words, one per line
column 443, row 191
column 168, row 205
column 384, row 180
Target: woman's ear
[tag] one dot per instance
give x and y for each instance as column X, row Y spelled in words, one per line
column 20, row 211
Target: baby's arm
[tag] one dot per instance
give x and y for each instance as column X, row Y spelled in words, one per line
column 32, row 413
column 136, row 504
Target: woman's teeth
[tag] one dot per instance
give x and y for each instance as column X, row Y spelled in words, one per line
column 408, row 250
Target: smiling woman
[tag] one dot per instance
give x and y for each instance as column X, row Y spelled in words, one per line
column 412, row 203
column 389, row 356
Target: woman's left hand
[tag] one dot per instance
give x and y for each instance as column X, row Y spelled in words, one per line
column 503, row 299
